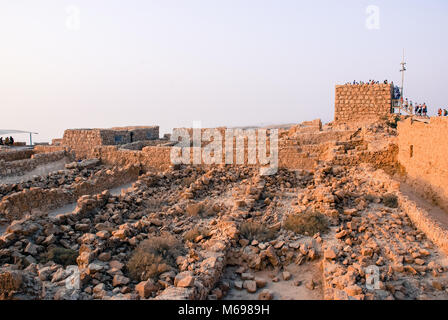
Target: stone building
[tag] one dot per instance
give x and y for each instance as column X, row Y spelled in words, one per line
column 362, row 103
column 82, row 141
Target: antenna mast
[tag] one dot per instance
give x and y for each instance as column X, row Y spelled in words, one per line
column 403, row 69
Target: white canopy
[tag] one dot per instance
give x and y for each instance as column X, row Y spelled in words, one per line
column 3, row 132
column 8, row 132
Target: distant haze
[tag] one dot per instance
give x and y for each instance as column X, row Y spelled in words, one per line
column 104, row 63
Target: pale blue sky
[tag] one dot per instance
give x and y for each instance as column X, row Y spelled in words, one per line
column 222, row 62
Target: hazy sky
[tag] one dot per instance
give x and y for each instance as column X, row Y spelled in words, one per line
column 221, row 62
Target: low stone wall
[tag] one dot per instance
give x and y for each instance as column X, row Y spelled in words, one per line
column 48, row 148
column 300, row 153
column 20, row 167
column 17, row 205
column 385, row 159
column 139, row 145
column 433, row 229
column 14, row 155
column 149, row 158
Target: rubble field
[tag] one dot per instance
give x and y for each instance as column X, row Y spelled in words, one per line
column 342, row 230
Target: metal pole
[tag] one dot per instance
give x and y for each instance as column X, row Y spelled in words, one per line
column 403, row 69
column 31, row 139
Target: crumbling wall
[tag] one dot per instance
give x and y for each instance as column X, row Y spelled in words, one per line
column 423, row 152
column 18, row 204
column 15, row 155
column 20, row 167
column 299, row 148
column 362, row 103
column 48, row 148
column 149, row 158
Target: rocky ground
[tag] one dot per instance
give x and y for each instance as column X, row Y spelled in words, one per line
column 226, row 233
column 73, row 172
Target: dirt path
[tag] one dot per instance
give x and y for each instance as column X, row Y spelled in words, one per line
column 70, row 207
column 282, row 290
column 39, row 171
column 436, row 212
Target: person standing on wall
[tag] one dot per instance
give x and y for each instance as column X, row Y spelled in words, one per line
column 425, row 110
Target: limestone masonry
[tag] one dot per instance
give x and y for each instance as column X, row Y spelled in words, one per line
column 423, row 152
column 83, row 140
column 362, row 103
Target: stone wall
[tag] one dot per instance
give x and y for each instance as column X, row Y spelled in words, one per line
column 149, row 158
column 20, row 167
column 82, row 141
column 17, row 205
column 423, row 152
column 14, row 155
column 362, row 103
column 48, row 148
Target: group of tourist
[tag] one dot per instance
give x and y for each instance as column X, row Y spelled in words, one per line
column 9, row 141
column 418, row 109
column 442, row 112
column 368, row 82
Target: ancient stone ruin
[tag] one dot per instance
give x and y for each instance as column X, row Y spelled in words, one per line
column 356, row 210
column 362, row 103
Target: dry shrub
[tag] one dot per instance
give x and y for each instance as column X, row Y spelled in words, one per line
column 390, row 200
column 154, row 204
column 187, row 181
column 307, row 223
column 210, row 208
column 196, row 232
column 154, row 256
column 194, row 209
column 59, row 255
column 256, row 231
column 370, row 197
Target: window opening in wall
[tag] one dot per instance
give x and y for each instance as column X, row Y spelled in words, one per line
column 411, row 151
column 118, row 139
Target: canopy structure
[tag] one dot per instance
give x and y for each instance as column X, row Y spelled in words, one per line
column 7, row 132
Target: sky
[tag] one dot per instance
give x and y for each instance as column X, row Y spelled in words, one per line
column 105, row 63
